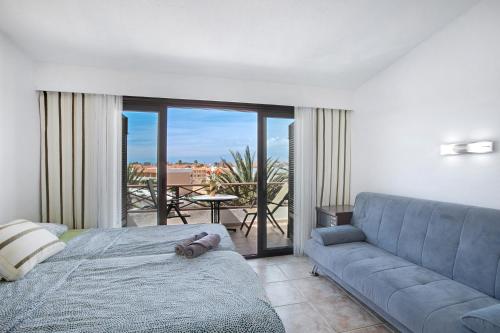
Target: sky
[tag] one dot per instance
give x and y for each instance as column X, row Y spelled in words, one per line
column 205, row 135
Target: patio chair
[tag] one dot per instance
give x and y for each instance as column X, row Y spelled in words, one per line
column 272, row 207
column 171, row 203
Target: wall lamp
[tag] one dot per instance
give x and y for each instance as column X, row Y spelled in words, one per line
column 480, row 147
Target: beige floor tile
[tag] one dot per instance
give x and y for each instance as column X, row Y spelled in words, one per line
column 297, row 270
column 269, row 273
column 316, row 287
column 259, row 262
column 302, row 317
column 312, row 304
column 343, row 314
column 373, row 329
column 278, row 260
column 283, row 293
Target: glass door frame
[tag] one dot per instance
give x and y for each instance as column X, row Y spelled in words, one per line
column 264, row 111
column 262, row 248
column 161, row 153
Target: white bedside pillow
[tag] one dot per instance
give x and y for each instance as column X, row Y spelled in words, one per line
column 24, row 244
column 54, row 228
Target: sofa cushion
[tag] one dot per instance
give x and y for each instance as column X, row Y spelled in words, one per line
column 483, row 320
column 367, row 214
column 412, row 306
column 383, row 284
column 447, row 319
column 478, row 254
column 414, row 229
column 337, row 257
column 337, row 235
column 390, row 224
column 442, row 238
column 362, row 271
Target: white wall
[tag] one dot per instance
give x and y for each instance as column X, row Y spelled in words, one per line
column 445, row 90
column 138, row 83
column 19, row 136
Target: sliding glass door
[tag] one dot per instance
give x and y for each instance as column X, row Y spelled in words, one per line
column 242, row 150
column 279, row 223
column 219, row 144
column 140, row 168
column 276, row 187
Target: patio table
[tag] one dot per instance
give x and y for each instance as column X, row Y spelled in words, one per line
column 215, row 201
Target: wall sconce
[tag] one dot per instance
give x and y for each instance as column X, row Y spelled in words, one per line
column 480, row 147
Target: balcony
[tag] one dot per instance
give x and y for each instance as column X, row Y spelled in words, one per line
column 142, row 211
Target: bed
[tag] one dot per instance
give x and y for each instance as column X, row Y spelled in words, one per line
column 126, row 242
column 129, row 285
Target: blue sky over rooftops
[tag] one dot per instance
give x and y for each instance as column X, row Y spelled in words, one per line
column 205, row 135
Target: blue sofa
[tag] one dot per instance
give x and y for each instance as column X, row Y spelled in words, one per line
column 424, row 266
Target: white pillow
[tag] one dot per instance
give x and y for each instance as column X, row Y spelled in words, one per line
column 54, row 228
column 24, row 244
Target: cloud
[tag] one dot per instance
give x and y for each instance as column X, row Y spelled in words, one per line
column 277, row 142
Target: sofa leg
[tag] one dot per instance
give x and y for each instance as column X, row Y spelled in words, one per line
column 314, row 271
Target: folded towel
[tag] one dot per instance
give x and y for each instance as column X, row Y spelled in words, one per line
column 202, row 245
column 180, row 248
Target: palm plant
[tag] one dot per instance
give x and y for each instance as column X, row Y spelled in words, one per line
column 242, row 171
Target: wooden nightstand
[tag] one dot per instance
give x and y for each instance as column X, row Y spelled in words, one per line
column 327, row 216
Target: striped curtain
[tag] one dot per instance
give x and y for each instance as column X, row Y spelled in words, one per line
column 80, row 159
column 322, row 166
column 333, row 157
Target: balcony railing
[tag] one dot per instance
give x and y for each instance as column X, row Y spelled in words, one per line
column 140, row 198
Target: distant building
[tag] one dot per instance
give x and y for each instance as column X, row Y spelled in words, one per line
column 200, row 174
column 179, row 174
column 150, row 172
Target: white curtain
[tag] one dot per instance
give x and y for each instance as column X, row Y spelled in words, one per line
column 304, row 176
column 322, row 166
column 80, row 159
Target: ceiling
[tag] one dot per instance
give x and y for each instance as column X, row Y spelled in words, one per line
column 330, row 43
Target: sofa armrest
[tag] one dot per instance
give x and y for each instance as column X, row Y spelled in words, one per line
column 338, row 235
column 484, row 320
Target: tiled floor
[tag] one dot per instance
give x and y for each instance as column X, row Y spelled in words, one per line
column 312, row 304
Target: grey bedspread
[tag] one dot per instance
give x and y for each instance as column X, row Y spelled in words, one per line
column 217, row 292
column 105, row 243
